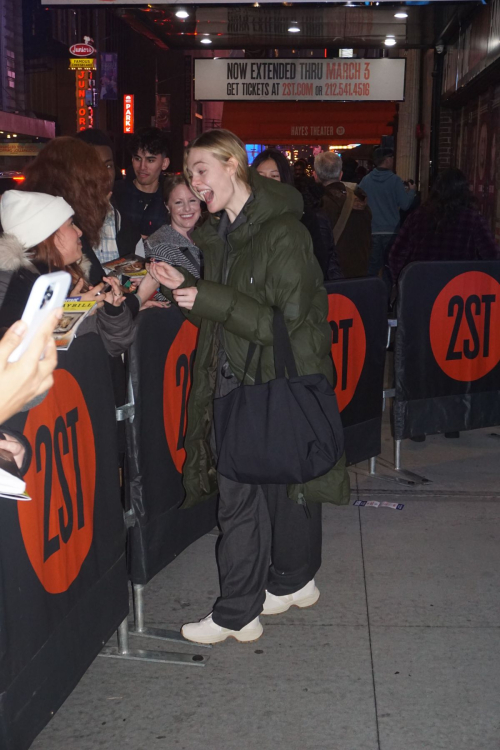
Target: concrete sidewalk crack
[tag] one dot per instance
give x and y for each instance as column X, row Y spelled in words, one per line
column 369, row 630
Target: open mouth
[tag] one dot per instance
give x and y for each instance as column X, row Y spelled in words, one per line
column 187, row 216
column 207, row 196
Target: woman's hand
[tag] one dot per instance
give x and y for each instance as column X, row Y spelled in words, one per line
column 185, row 297
column 115, row 295
column 154, row 303
column 15, row 448
column 146, row 288
column 94, row 293
column 166, row 274
column 30, row 376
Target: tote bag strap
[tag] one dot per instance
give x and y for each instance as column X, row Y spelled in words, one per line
column 251, row 351
column 283, row 354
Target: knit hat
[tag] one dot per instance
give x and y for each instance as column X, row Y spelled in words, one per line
column 32, row 217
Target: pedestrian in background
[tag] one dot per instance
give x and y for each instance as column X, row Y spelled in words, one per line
column 141, row 199
column 447, row 226
column 273, row 164
column 348, row 213
column 386, row 196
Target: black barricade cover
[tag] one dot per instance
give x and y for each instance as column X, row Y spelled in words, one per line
column 358, row 318
column 447, row 349
column 160, row 365
column 63, row 583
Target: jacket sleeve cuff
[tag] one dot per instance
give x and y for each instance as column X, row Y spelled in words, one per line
column 133, row 303
column 112, row 310
column 213, row 301
column 189, row 279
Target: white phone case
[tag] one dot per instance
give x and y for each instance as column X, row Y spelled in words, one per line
column 49, row 292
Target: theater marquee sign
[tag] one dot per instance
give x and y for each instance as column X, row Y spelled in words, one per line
column 296, row 80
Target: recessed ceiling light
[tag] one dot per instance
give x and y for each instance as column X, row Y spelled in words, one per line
column 294, row 28
column 209, row 41
column 401, row 14
column 390, row 41
column 182, row 14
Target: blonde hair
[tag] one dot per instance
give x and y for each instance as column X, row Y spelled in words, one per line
column 223, row 145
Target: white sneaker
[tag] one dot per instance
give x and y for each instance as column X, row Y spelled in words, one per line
column 207, row 631
column 305, row 597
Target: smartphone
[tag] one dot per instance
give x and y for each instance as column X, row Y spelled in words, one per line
column 48, row 293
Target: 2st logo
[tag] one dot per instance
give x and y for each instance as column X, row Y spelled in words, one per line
column 177, row 381
column 57, row 524
column 464, row 325
column 348, row 346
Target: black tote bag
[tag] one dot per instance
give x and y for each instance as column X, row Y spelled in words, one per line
column 286, row 431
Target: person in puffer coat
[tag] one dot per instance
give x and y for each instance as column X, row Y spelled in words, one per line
column 257, row 255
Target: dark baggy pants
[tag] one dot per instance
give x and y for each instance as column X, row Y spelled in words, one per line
column 268, row 542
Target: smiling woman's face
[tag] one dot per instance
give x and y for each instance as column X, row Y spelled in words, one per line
column 210, row 178
column 184, row 208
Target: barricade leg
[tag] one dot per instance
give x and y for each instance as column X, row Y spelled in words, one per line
column 122, row 651
column 410, row 476
column 397, row 455
column 144, row 631
column 373, row 466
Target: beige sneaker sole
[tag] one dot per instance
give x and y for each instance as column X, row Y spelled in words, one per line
column 310, row 601
column 254, row 635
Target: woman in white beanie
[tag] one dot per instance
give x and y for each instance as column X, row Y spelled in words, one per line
column 39, row 236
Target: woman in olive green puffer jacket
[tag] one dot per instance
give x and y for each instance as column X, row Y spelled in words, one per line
column 257, row 255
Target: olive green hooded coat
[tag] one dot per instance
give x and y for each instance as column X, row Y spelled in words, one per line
column 269, row 262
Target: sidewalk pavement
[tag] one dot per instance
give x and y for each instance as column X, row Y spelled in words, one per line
column 402, row 651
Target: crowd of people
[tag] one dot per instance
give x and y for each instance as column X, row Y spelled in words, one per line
column 229, row 245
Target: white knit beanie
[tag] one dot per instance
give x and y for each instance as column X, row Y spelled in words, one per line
column 32, row 217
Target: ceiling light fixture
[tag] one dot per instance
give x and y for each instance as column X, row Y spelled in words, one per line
column 401, row 14
column 206, row 40
column 182, row 14
column 390, row 41
column 293, row 29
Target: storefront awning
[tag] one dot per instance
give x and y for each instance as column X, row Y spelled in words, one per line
column 309, row 123
column 11, row 123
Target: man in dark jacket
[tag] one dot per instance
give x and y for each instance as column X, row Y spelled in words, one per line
column 141, row 199
column 386, row 195
column 354, row 243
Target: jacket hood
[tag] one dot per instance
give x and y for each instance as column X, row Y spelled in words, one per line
column 13, row 256
column 381, row 175
column 273, row 198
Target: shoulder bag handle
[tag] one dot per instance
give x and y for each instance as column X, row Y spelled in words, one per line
column 344, row 215
column 283, row 353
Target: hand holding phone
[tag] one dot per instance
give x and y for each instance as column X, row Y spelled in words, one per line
column 30, row 376
column 47, row 294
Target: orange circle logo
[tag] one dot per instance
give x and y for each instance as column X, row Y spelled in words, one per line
column 176, row 386
column 57, row 525
column 464, row 326
column 348, row 346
